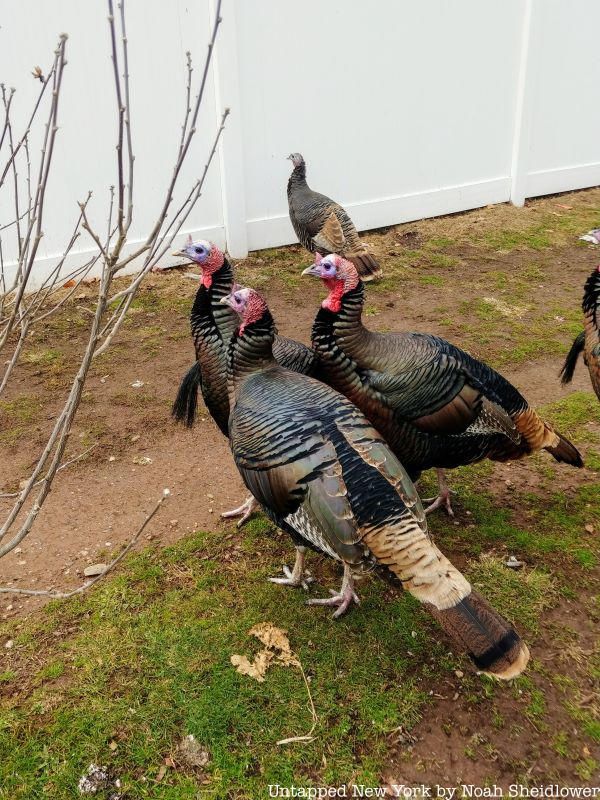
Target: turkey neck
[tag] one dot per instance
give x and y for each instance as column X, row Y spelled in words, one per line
column 209, row 315
column 297, row 178
column 345, row 327
column 213, row 325
column 250, row 352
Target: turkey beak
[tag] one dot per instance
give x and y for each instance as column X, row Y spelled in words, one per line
column 312, row 270
column 226, row 301
column 179, row 253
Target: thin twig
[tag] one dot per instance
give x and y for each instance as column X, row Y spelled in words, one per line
column 62, row 466
column 308, row 737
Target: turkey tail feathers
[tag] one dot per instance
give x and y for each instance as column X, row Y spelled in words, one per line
column 491, row 642
column 566, row 452
column 366, row 266
column 539, row 435
column 568, row 368
column 186, row 403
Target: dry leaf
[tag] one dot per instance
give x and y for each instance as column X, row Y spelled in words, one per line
column 277, row 650
column 255, row 669
column 161, row 773
column 69, row 284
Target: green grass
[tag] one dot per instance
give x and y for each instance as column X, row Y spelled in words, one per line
column 144, row 661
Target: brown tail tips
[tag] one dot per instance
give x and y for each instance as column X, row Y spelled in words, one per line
column 367, row 267
column 566, row 452
column 490, row 641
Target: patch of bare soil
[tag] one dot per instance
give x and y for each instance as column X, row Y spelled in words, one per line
column 467, row 739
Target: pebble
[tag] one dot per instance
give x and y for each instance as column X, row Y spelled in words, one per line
column 589, row 527
column 94, row 569
column 8, row 644
column 513, row 563
column 459, row 673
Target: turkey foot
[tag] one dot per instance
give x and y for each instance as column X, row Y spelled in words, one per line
column 342, row 599
column 443, row 498
column 295, row 576
column 244, row 511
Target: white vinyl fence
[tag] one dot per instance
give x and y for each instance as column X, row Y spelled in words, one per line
column 402, row 108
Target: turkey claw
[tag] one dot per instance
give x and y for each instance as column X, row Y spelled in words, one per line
column 291, row 579
column 342, row 599
column 244, row 511
column 441, row 501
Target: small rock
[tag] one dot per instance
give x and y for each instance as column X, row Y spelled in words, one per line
column 135, row 437
column 459, row 673
column 589, row 527
column 18, row 549
column 94, row 569
column 174, row 523
column 513, row 563
column 142, row 460
column 9, row 644
column 112, row 458
column 455, row 698
column 137, row 384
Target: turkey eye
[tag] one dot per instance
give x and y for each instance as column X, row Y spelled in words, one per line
column 198, row 249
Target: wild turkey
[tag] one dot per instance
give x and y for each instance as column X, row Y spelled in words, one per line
column 212, row 326
column 588, row 341
column 322, row 225
column 436, row 405
column 323, row 474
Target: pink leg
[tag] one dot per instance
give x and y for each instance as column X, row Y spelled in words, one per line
column 295, row 576
column 244, row 511
column 342, row 599
column 443, row 498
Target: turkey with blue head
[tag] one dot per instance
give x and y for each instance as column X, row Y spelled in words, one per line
column 212, row 325
column 322, row 473
column 435, row 404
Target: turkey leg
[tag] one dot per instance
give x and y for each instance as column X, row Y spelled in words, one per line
column 342, row 599
column 443, row 498
column 244, row 511
column 295, row 576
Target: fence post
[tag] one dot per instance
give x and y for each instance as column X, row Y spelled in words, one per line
column 231, row 160
column 523, row 110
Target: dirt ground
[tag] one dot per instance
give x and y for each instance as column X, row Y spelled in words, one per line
column 98, row 503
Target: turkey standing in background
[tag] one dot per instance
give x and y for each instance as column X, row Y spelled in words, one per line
column 323, row 226
column 436, row 405
column 322, row 473
column 588, row 340
column 213, row 325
